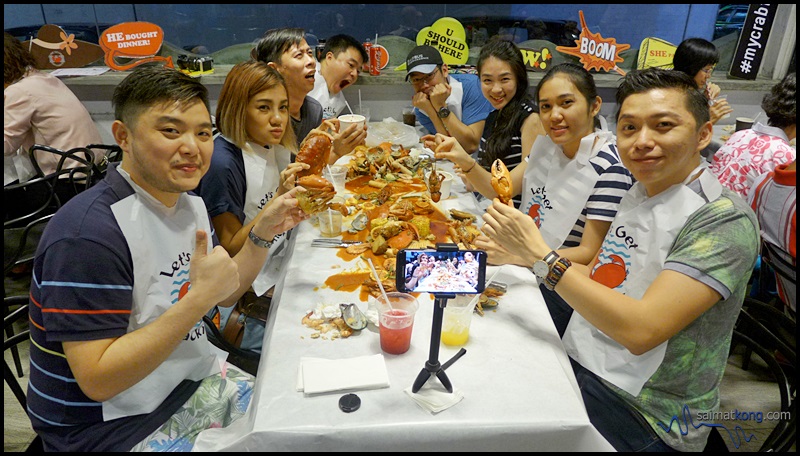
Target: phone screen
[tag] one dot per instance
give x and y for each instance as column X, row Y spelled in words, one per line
column 433, row 271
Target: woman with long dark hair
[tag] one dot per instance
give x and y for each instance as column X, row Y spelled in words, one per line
column 510, row 130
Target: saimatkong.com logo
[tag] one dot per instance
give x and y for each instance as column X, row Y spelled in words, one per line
column 737, row 434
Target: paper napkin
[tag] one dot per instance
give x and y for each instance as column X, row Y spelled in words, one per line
column 435, row 400
column 327, row 375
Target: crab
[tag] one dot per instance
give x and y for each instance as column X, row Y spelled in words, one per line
column 315, row 149
column 402, row 209
column 435, row 179
column 318, row 192
column 501, row 181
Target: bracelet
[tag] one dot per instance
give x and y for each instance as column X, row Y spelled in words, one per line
column 474, row 162
column 556, row 272
column 259, row 241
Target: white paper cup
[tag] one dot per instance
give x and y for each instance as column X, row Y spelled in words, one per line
column 345, row 120
column 447, row 183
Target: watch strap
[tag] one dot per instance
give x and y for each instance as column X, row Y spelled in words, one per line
column 259, row 241
column 551, row 258
column 556, row 272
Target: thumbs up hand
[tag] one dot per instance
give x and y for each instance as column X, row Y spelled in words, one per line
column 214, row 276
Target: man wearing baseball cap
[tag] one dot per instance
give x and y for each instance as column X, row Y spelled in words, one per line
column 452, row 105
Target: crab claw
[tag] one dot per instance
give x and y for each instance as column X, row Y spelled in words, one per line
column 501, row 181
column 318, row 192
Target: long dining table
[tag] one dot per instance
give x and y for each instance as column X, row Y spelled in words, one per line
column 519, row 390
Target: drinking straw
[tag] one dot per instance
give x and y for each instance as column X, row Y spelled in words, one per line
column 360, row 108
column 348, row 104
column 380, row 285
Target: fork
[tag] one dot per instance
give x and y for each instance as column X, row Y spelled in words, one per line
column 332, row 242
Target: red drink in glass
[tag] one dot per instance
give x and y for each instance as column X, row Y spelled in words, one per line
column 395, row 331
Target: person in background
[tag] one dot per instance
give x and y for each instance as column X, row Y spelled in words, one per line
column 697, row 58
column 343, row 57
column 250, row 167
column 654, row 314
column 286, row 50
column 510, row 129
column 751, row 152
column 774, row 199
column 119, row 356
column 40, row 109
column 449, row 104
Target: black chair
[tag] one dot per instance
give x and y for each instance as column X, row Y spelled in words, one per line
column 75, row 172
column 11, row 343
column 246, row 360
column 111, row 153
column 781, row 263
column 762, row 330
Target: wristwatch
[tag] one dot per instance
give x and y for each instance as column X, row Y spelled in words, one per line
column 542, row 267
column 259, row 241
column 443, row 112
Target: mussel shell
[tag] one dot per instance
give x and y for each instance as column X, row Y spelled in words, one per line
column 359, row 222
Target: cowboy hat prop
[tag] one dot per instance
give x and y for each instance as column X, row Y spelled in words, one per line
column 53, row 48
column 137, row 41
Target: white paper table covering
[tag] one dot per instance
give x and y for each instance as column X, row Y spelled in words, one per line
column 519, row 390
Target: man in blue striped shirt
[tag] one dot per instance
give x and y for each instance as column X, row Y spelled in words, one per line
column 122, row 278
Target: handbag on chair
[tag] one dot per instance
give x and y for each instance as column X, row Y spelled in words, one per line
column 229, row 337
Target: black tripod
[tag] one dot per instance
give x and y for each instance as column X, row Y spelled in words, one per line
column 432, row 365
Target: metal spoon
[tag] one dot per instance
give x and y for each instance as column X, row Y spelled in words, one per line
column 353, row 317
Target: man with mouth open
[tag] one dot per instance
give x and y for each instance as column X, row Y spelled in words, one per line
column 342, row 58
column 287, row 50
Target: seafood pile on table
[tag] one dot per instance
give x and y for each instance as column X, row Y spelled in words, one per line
column 390, row 208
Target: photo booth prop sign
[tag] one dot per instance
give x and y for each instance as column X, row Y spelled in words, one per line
column 448, row 36
column 596, row 52
column 752, row 41
column 138, row 41
column 655, row 53
column 537, row 60
column 53, row 48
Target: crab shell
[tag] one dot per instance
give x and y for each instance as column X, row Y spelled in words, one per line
column 315, row 151
column 501, row 181
column 317, row 195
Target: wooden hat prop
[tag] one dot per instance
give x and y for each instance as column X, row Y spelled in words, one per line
column 136, row 42
column 53, row 48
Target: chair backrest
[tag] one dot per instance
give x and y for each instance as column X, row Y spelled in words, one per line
column 75, row 172
column 36, row 446
column 767, row 331
column 784, row 266
column 29, row 200
column 13, row 341
column 20, row 243
column 111, row 153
